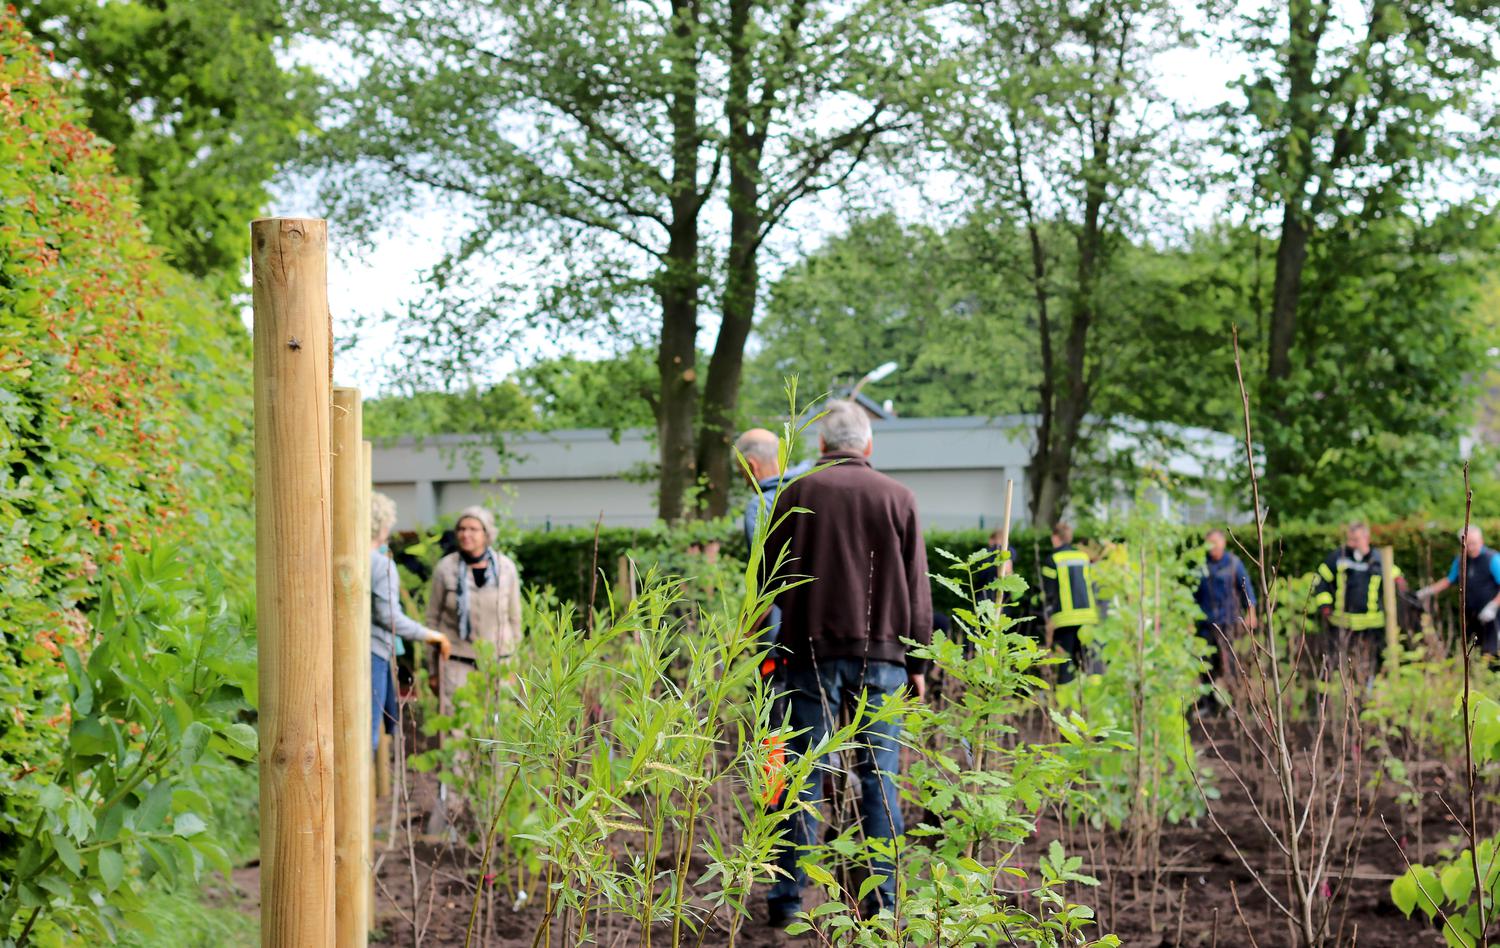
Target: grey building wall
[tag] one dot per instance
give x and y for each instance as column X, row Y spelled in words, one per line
column 956, row 466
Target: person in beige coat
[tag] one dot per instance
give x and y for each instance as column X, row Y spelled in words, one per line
column 476, row 596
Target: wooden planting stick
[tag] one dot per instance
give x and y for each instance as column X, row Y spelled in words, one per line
column 1010, row 487
column 294, row 579
column 351, row 673
column 1388, row 603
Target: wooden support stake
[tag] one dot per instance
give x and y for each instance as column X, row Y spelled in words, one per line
column 1388, row 603
column 383, row 749
column 1010, row 487
column 294, row 579
column 351, row 673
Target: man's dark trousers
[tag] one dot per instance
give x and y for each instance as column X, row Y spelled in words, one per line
column 877, row 760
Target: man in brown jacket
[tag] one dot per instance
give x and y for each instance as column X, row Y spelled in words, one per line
column 842, row 633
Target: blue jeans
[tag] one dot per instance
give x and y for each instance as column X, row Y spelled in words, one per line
column 382, row 699
column 876, row 762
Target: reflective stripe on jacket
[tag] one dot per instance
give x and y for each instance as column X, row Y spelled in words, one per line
column 1350, row 585
column 1069, row 586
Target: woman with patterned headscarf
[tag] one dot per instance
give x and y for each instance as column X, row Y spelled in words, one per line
column 476, row 596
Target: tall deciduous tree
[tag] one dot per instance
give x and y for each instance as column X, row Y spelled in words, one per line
column 1350, row 113
column 198, row 104
column 637, row 152
column 887, row 291
column 1058, row 129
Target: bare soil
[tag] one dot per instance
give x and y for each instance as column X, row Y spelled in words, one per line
column 1199, row 893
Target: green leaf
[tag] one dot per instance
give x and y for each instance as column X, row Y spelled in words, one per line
column 1404, row 893
column 1458, row 879
column 194, row 740
column 88, row 738
column 818, row 874
column 188, row 824
column 111, row 868
column 242, row 740
column 154, row 809
column 83, row 701
column 67, row 853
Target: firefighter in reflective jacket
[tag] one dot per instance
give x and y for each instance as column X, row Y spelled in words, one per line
column 1068, row 598
column 1349, row 597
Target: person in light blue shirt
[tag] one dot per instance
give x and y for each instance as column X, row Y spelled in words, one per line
column 761, row 450
column 388, row 620
column 1480, row 567
column 762, row 455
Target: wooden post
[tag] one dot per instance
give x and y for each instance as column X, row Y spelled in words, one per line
column 351, row 672
column 1009, row 567
column 294, row 579
column 367, row 488
column 1388, row 602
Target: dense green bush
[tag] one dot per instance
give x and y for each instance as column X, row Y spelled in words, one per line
column 124, row 426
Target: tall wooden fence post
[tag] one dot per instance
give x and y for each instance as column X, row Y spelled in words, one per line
column 353, row 853
column 294, row 579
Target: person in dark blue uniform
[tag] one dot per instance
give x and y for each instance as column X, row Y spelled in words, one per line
column 1228, row 603
column 1479, row 567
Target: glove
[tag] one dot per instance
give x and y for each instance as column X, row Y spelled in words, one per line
column 1424, row 594
column 1487, row 614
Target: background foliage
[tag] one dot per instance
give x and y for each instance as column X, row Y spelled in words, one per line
column 164, row 82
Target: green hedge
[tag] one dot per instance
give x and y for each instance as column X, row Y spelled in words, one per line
column 564, row 558
column 125, row 411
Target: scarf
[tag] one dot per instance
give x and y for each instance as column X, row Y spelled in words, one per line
column 492, row 575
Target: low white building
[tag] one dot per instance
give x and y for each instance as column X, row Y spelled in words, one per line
column 956, row 466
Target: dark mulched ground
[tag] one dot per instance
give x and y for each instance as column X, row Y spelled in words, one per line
column 1185, row 900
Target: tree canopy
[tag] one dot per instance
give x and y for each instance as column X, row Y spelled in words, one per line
column 640, row 155
column 198, row 105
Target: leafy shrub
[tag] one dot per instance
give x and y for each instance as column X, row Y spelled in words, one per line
column 1153, row 661
column 1452, row 891
column 124, row 425
column 590, row 762
column 152, row 718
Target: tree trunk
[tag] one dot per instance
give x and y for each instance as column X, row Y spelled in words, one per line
column 1043, row 491
column 1291, row 259
column 741, row 280
column 725, row 368
column 1053, row 458
column 1295, row 164
column 678, row 280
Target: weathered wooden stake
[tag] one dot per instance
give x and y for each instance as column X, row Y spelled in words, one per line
column 367, row 488
column 1388, row 603
column 294, row 579
column 1010, row 489
column 351, row 672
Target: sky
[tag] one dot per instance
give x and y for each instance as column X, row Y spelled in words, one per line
column 365, row 283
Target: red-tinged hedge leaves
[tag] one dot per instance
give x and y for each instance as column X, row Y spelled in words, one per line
column 124, row 400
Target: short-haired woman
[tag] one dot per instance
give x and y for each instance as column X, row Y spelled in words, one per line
column 387, row 618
